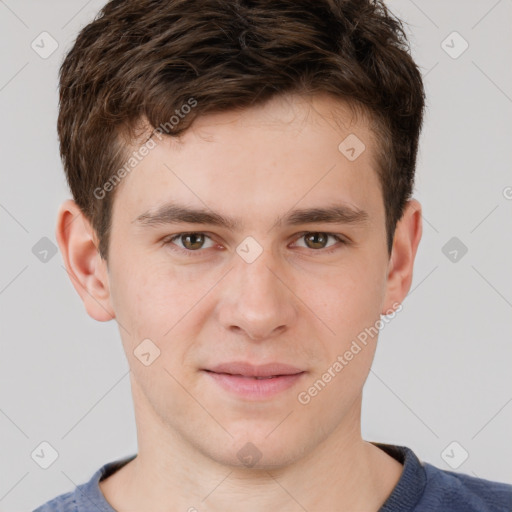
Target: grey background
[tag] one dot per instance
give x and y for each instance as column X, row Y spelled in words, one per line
column 442, row 369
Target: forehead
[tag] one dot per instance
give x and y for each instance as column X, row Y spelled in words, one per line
column 290, row 149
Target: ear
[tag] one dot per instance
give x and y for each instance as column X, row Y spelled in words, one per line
column 87, row 270
column 405, row 244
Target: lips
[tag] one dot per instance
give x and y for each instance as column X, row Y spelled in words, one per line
column 248, row 382
column 248, row 370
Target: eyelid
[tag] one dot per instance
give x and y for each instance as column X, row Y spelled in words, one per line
column 339, row 238
column 168, row 240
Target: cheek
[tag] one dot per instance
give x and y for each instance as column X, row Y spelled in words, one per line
column 351, row 308
column 157, row 301
column 141, row 302
column 348, row 300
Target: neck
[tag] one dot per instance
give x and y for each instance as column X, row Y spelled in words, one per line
column 342, row 473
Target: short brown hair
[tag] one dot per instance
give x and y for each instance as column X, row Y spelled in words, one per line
column 144, row 59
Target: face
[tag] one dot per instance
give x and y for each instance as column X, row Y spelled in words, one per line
column 266, row 278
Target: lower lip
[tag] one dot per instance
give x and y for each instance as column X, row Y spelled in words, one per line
column 255, row 389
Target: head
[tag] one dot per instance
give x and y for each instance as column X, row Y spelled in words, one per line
column 249, row 112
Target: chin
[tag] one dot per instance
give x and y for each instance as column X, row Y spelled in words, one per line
column 258, row 450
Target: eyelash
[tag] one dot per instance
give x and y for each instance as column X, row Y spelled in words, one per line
column 168, row 242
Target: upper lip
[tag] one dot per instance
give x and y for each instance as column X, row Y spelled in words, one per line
column 249, row 370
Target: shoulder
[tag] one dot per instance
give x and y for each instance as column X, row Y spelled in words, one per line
column 426, row 488
column 63, row 503
column 450, row 491
column 86, row 496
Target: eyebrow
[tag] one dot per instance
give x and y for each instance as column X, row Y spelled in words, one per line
column 172, row 213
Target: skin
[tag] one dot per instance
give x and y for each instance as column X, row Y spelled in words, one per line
column 294, row 304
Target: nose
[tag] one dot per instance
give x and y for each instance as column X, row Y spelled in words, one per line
column 257, row 300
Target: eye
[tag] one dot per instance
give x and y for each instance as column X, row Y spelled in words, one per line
column 318, row 240
column 191, row 242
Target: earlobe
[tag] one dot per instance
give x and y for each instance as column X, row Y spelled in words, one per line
column 84, row 266
column 405, row 245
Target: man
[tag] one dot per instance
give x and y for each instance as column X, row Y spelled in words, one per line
column 242, row 175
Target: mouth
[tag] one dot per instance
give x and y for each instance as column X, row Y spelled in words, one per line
column 254, row 382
